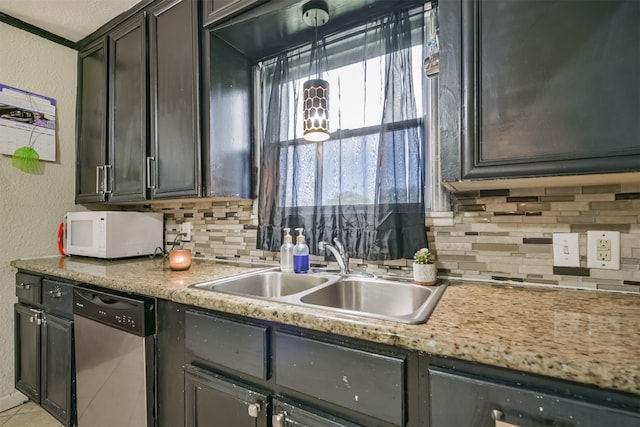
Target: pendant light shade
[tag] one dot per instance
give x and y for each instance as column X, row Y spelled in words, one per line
column 316, row 91
column 316, row 110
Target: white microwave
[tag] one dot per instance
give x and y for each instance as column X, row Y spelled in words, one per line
column 112, row 234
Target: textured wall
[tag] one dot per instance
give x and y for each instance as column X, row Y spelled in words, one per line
column 32, row 205
column 502, row 235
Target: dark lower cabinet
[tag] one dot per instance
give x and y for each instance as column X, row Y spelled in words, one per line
column 457, row 399
column 243, row 372
column 57, row 367
column 27, row 349
column 215, row 401
column 44, row 361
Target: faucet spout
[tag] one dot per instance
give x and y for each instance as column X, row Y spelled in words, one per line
column 339, row 253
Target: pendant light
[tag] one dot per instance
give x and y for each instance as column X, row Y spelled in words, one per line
column 316, row 91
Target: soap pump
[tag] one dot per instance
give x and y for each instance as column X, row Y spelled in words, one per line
column 286, row 253
column 300, row 253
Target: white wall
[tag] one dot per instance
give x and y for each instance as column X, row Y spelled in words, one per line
column 31, row 206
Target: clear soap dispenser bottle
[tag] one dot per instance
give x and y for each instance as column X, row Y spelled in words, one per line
column 286, row 253
column 300, row 253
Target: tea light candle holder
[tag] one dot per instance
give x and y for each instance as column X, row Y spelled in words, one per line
column 179, row 259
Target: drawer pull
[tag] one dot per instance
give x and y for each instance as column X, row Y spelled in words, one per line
column 55, row 293
column 23, row 286
column 254, row 410
column 498, row 416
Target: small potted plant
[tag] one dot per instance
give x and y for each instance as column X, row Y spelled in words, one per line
column 424, row 268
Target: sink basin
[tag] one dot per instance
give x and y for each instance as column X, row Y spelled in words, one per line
column 266, row 284
column 377, row 298
column 353, row 295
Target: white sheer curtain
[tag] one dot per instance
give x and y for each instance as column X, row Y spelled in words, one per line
column 365, row 184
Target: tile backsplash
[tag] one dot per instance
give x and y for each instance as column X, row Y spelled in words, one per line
column 498, row 235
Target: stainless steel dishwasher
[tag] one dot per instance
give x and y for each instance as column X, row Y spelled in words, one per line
column 114, row 346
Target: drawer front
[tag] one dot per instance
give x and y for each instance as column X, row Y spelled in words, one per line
column 476, row 400
column 57, row 298
column 236, row 345
column 368, row 383
column 29, row 288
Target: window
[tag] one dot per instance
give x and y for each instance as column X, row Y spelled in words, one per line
column 365, row 184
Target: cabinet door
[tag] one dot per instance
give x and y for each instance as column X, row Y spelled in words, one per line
column 170, row 363
column 534, row 88
column 226, row 115
column 57, row 367
column 216, row 401
column 92, row 123
column 174, row 90
column 27, row 350
column 128, row 111
column 215, row 10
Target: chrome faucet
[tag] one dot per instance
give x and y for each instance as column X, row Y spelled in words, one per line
column 339, row 253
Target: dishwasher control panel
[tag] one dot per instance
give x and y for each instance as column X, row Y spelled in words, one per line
column 131, row 314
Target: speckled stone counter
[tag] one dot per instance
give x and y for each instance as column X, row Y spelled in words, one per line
column 585, row 336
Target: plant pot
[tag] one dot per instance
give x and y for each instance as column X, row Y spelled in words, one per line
column 425, row 274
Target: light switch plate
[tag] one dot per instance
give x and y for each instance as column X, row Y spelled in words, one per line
column 603, row 249
column 566, row 251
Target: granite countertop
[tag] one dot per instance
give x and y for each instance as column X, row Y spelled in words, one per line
column 590, row 337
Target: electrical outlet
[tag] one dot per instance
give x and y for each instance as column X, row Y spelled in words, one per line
column 565, row 250
column 185, row 229
column 603, row 249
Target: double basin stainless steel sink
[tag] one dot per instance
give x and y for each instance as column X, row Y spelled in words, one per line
column 367, row 296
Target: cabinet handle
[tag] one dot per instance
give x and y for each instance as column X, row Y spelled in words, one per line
column 25, row 286
column 56, row 293
column 254, row 410
column 99, row 169
column 149, row 160
column 277, row 420
column 497, row 415
column 107, row 190
column 37, row 316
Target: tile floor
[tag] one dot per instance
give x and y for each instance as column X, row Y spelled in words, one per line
column 27, row 415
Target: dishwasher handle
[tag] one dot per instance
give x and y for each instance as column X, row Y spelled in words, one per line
column 133, row 314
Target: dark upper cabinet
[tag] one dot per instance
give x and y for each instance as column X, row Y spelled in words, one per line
column 127, row 111
column 138, row 109
column 112, row 136
column 227, row 112
column 174, row 99
column 216, row 10
column 91, row 150
column 530, row 88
